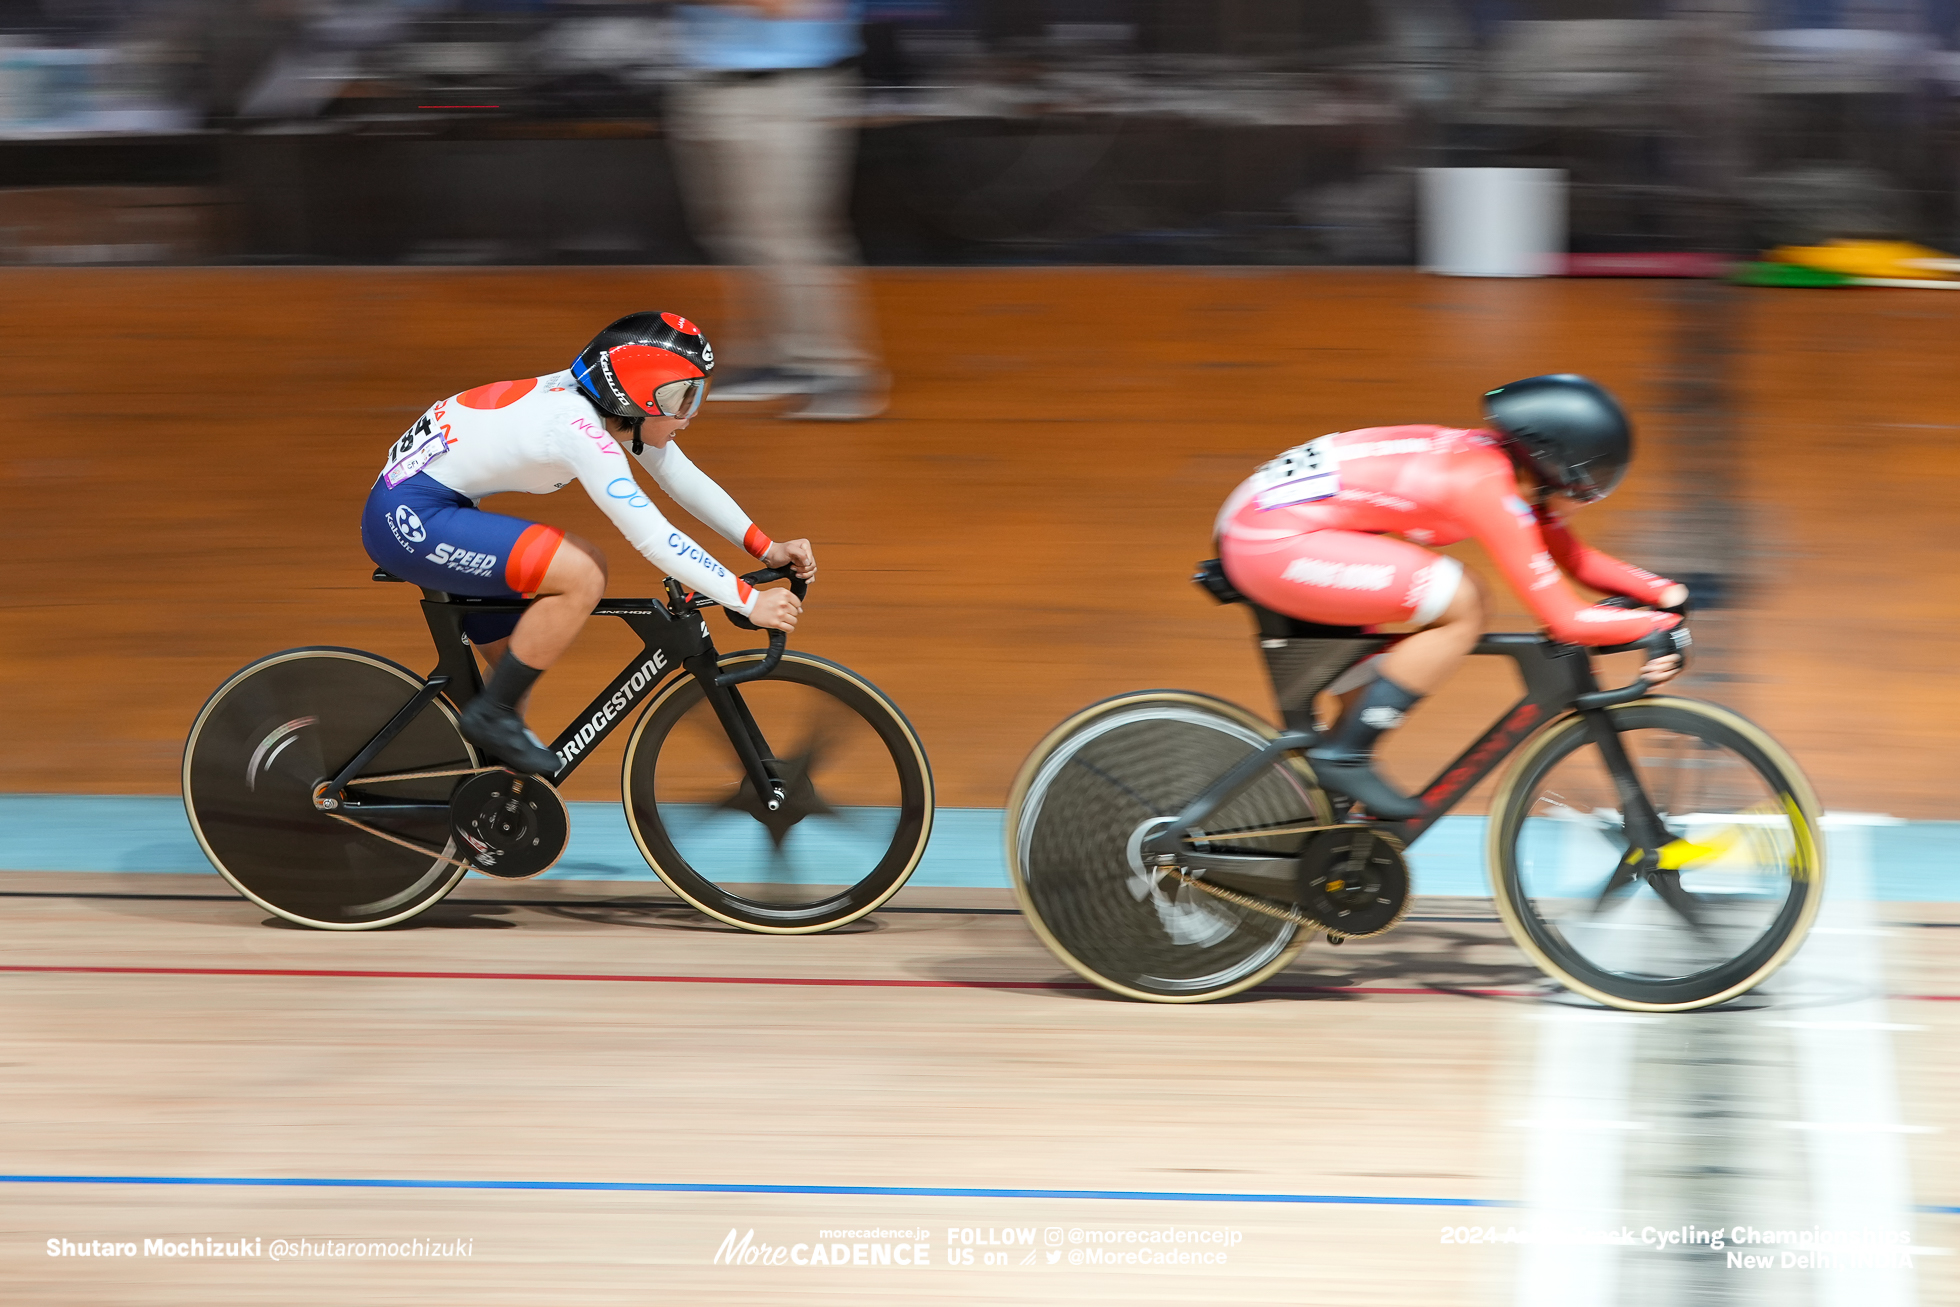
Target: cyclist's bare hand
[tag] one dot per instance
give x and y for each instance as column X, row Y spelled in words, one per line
column 1674, row 596
column 776, row 609
column 1659, row 671
column 795, row 553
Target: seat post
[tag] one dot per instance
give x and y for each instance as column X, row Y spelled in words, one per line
column 454, row 658
column 1304, row 658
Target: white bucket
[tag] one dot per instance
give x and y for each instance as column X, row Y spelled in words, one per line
column 1493, row 222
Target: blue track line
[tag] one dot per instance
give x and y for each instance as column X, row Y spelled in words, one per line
column 845, row 1190
column 1911, row 861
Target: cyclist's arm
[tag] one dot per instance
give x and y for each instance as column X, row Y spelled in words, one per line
column 697, row 492
column 607, row 475
column 1509, row 533
column 1596, row 569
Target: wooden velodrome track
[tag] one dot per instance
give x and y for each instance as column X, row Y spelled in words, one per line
column 183, row 455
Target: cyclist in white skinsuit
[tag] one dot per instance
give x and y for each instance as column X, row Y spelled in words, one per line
column 639, row 383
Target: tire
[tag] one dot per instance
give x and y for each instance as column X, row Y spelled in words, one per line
column 1078, row 809
column 1749, row 851
column 860, row 798
column 278, row 728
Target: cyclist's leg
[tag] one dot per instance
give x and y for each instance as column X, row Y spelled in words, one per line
column 571, row 587
column 568, row 577
column 1423, row 661
column 431, row 536
column 1352, row 578
column 577, row 576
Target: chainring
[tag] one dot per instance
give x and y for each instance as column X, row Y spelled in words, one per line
column 509, row 825
column 1354, row 881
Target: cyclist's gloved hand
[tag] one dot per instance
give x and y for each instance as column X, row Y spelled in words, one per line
column 1668, row 654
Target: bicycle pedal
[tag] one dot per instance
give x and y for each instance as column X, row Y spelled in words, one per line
column 509, row 825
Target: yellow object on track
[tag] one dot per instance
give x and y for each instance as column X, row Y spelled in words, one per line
column 1888, row 259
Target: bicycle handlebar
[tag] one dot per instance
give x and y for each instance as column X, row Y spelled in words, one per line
column 778, row 640
column 1657, row 645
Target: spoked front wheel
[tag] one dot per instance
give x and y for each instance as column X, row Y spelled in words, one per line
column 1720, row 907
column 1106, row 780
column 857, row 805
column 282, row 726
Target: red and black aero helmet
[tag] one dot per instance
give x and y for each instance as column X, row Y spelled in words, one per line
column 1568, row 430
column 646, row 365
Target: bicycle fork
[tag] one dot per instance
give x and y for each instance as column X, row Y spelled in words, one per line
column 739, row 723
column 1651, row 847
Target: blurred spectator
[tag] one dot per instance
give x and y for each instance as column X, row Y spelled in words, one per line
column 763, row 132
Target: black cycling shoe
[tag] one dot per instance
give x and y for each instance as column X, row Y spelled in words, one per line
column 1356, row 778
column 499, row 732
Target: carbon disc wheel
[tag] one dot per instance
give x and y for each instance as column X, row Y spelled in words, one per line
column 276, row 730
column 1095, row 789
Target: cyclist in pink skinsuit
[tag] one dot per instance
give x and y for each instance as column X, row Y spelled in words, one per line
column 1334, row 531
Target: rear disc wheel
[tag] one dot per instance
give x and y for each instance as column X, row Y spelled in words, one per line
column 1109, row 778
column 281, row 727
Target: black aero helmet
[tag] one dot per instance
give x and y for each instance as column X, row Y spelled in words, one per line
column 1568, row 430
column 646, row 365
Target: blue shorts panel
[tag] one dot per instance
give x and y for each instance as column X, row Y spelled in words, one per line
column 434, row 537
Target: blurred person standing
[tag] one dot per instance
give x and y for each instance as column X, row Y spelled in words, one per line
column 763, row 131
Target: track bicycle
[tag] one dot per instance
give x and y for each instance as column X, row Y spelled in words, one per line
column 1652, row 853
column 771, row 789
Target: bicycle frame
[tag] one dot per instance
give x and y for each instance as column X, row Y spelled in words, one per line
column 1557, row 678
column 669, row 640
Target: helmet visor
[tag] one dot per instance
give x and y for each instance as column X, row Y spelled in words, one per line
column 680, row 399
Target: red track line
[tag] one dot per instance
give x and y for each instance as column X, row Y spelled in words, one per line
column 340, row 973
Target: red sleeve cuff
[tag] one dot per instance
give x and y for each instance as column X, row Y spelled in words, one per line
column 755, row 542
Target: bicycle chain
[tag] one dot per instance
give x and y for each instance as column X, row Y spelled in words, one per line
column 422, row 775
column 410, row 845
column 1292, row 913
column 1283, row 911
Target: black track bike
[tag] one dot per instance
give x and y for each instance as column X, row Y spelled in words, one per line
column 774, row 790
column 1652, row 853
